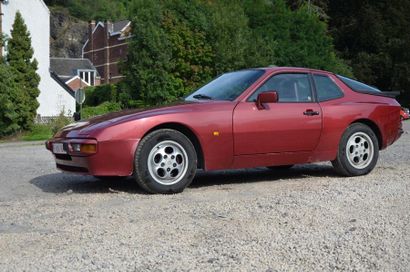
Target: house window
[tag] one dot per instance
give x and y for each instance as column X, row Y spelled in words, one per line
column 87, row 76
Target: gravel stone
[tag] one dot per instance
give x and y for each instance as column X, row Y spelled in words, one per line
column 305, row 219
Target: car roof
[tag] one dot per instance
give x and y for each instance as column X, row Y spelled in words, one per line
column 293, row 69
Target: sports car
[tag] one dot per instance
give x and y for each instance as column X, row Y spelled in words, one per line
column 272, row 117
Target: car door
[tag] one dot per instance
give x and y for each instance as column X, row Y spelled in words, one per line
column 293, row 124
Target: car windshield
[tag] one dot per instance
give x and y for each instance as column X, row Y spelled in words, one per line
column 227, row 86
column 358, row 86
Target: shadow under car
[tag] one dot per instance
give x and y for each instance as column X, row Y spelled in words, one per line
column 64, row 182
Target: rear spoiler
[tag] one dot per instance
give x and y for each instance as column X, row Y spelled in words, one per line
column 392, row 94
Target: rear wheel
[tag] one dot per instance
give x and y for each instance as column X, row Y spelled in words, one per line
column 358, row 151
column 165, row 162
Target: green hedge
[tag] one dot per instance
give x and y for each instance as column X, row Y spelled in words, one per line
column 95, row 96
column 103, row 108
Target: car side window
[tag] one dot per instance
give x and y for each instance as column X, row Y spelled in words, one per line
column 290, row 88
column 326, row 89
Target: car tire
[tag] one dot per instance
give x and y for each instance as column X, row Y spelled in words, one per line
column 165, row 162
column 280, row 167
column 358, row 151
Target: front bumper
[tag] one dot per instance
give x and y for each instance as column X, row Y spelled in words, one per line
column 112, row 158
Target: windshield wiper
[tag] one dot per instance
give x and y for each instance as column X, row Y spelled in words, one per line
column 202, row 96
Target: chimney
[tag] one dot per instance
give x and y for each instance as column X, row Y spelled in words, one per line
column 109, row 26
column 91, row 26
column 108, row 29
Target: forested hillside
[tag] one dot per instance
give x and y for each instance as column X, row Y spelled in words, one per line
column 95, row 9
column 181, row 44
column 374, row 37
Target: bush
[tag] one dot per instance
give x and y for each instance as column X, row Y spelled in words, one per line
column 59, row 122
column 103, row 108
column 46, row 131
column 94, row 96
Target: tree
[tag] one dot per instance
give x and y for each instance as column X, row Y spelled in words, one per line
column 20, row 58
column 373, row 36
column 149, row 58
column 295, row 37
column 177, row 45
column 229, row 36
column 9, row 97
column 96, row 9
column 2, row 43
column 169, row 55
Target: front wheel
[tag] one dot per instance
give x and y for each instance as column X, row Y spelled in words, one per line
column 358, row 151
column 165, row 162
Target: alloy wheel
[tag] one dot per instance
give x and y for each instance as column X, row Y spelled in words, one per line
column 359, row 150
column 167, row 162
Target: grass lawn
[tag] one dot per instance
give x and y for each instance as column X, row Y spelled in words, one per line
column 39, row 132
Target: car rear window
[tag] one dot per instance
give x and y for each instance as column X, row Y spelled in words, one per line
column 358, row 86
column 326, row 89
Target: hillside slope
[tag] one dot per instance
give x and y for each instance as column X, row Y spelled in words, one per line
column 67, row 34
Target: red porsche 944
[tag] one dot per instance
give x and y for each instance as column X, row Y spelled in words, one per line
column 273, row 117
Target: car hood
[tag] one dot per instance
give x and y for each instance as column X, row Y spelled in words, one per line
column 86, row 127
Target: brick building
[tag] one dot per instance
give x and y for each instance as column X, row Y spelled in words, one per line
column 106, row 47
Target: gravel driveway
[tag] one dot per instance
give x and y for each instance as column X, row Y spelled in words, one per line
column 304, row 219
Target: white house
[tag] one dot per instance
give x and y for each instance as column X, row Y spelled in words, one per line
column 55, row 96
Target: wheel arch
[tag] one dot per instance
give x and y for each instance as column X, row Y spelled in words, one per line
column 373, row 127
column 188, row 133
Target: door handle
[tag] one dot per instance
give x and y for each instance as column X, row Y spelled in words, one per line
column 310, row 112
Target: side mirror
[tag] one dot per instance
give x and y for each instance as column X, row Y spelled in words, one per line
column 77, row 116
column 266, row 97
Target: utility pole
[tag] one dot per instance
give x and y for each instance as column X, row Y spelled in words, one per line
column 81, row 90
